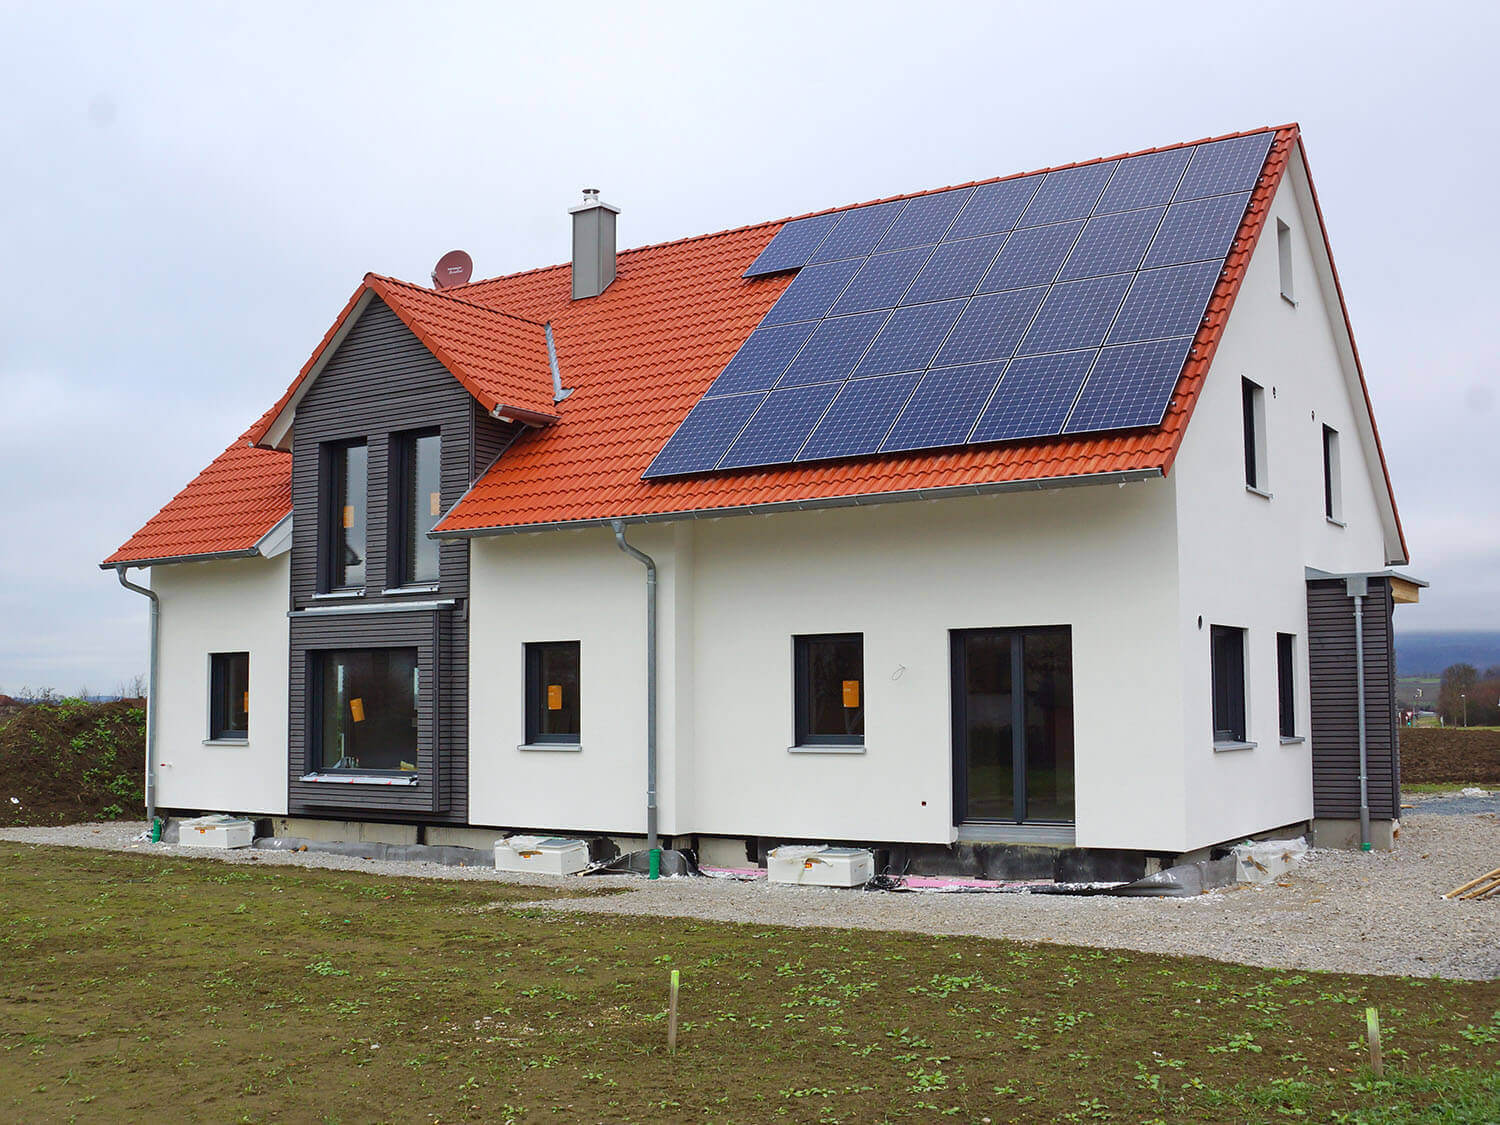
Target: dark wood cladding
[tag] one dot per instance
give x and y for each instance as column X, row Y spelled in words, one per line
column 379, row 384
column 1335, row 706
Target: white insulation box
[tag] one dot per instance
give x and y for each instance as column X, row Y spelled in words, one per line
column 818, row 865
column 541, row 855
column 216, row 832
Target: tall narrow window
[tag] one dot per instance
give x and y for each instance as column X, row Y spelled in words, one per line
column 1252, row 404
column 367, row 704
column 346, row 516
column 1228, row 659
column 830, row 698
column 1333, row 501
column 553, row 705
column 418, row 465
column 1284, row 259
column 1286, row 690
column 229, row 696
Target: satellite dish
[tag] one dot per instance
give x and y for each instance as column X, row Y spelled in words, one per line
column 453, row 268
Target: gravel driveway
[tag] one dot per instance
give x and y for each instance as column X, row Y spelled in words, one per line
column 1380, row 912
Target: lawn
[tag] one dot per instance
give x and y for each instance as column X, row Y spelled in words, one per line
column 137, row 988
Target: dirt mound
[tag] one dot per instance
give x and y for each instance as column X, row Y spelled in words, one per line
column 1450, row 754
column 71, row 760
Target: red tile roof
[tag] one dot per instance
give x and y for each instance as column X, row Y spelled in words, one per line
column 638, row 357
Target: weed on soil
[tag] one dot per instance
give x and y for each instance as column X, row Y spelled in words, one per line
column 72, row 760
column 134, row 985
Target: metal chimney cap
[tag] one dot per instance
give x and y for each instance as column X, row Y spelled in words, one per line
column 590, row 201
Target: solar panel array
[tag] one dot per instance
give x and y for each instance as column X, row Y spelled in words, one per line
column 1058, row 303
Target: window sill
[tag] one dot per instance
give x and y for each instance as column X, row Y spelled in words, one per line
column 551, row 747
column 430, row 588
column 338, row 595
column 828, row 748
column 227, row 741
column 1224, row 747
column 1296, row 740
column 359, row 779
column 1336, row 523
column 1289, row 299
column 1261, row 492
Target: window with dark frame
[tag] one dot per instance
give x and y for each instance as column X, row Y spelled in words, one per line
column 829, row 696
column 346, row 514
column 1228, row 661
column 417, row 502
column 1250, row 403
column 366, row 703
column 1286, row 684
column 1332, row 500
column 229, row 696
column 553, row 704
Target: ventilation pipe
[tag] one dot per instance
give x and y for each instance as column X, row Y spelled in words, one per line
column 1358, row 588
column 653, row 844
column 593, row 245
column 151, row 680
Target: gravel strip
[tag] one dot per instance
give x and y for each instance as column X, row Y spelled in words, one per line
column 1343, row 911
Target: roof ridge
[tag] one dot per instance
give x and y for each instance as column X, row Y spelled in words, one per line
column 384, row 280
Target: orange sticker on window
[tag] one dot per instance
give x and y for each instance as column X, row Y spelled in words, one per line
column 851, row 693
column 434, row 503
column 245, row 703
column 357, row 710
column 554, row 697
column 348, row 515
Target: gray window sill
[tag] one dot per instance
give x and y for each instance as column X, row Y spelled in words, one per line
column 1293, row 741
column 359, row 779
column 226, row 741
column 1289, row 299
column 1261, row 492
column 337, row 595
column 429, row 588
column 1336, row 523
column 1223, row 747
column 828, row 748
column 551, row 747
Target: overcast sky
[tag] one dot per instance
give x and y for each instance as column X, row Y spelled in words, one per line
column 190, row 193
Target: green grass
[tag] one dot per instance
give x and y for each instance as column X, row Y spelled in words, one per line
column 139, row 987
column 1440, row 786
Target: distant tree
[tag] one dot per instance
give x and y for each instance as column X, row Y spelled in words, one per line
column 1458, row 683
column 1491, row 673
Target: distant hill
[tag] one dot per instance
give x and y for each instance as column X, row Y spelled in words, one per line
column 1427, row 654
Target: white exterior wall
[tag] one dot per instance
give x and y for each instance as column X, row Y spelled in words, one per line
column 236, row 605
column 1242, row 556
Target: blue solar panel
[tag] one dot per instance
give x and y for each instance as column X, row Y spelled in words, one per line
column 858, row 232
column 1031, row 257
column 1129, row 386
column 1167, row 302
column 881, row 281
column 793, row 245
column 944, row 407
column 812, row 292
column 1225, row 166
column 761, row 359
column 910, row 338
column 860, row 417
column 991, row 326
column 1076, row 314
column 780, row 426
column 1035, row 396
column 834, row 349
column 1067, row 194
column 954, row 269
column 1112, row 244
column 1144, row 181
column 994, row 208
column 925, row 219
column 704, row 434
column 1198, row 230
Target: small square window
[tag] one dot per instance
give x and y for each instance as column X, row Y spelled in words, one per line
column 229, row 696
column 1228, row 660
column 553, row 705
column 830, row 697
column 1286, row 681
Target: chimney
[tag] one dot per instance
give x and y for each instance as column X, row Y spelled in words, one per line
column 593, row 245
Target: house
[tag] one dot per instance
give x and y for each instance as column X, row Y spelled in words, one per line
column 1039, row 523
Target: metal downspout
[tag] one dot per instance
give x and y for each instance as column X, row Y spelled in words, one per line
column 151, row 671
column 1358, row 592
column 653, row 844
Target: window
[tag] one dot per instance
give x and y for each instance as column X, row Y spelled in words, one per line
column 416, row 470
column 229, row 696
column 345, row 516
column 1284, row 259
column 1333, row 500
column 1286, row 692
column 1253, row 404
column 367, row 709
column 552, row 693
column 830, row 698
column 1228, row 659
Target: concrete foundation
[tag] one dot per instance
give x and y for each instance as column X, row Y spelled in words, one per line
column 1329, row 833
column 345, row 831
column 482, row 839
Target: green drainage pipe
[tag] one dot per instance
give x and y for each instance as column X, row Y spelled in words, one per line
column 654, row 871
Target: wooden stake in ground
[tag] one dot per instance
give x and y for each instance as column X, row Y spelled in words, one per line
column 1372, row 1030
column 1474, row 884
column 672, row 1015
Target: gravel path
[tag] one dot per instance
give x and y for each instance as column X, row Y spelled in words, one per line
column 1342, row 911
